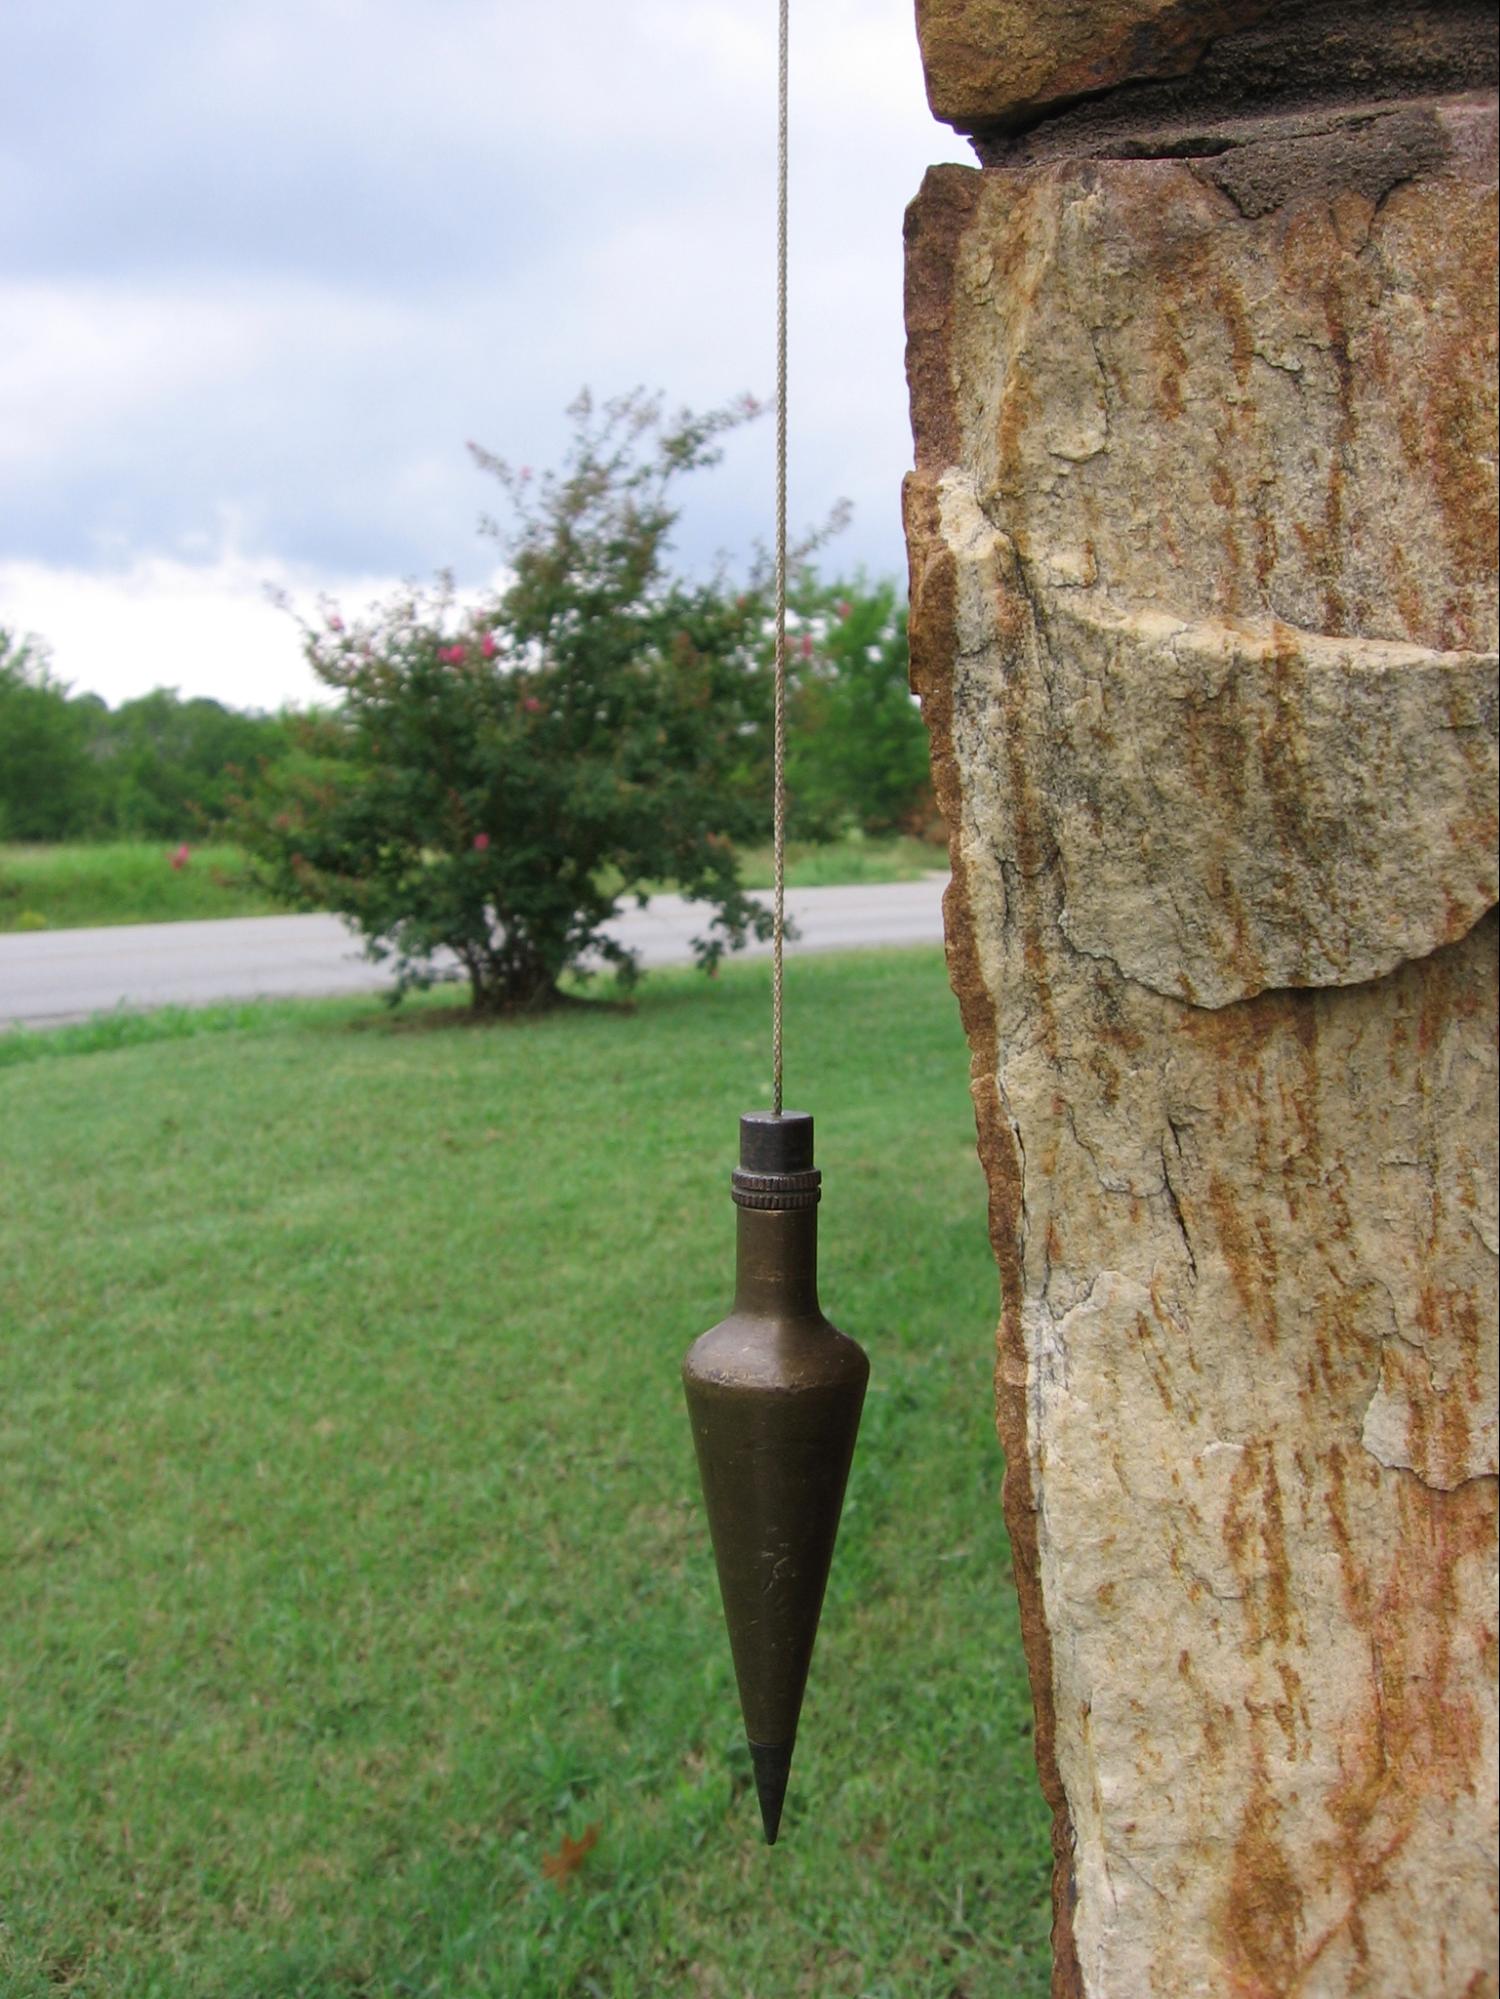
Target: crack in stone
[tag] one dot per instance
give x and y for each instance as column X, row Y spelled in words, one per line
column 1173, row 1199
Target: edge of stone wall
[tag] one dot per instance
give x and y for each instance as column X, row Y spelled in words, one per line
column 935, row 221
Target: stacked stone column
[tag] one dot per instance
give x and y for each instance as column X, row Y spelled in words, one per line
column 1202, row 537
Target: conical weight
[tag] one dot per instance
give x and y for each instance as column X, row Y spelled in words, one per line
column 774, row 1395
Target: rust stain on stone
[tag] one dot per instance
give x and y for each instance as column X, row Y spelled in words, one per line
column 1230, row 307
column 1155, row 1360
column 1331, row 554
column 1292, row 1713
column 1440, row 1433
column 1172, row 362
column 1356, row 1583
column 1249, row 1258
column 1283, row 745
column 1278, row 1568
column 1214, row 742
column 1261, row 1926
column 1419, row 1731
column 1254, row 1538
column 1409, row 600
column 1214, row 1721
column 1459, row 439
column 1267, row 549
column 1106, row 1075
column 1225, row 497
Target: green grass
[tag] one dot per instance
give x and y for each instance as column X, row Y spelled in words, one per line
column 849, row 860
column 124, row 1028
column 77, row 887
column 133, row 881
column 353, row 1556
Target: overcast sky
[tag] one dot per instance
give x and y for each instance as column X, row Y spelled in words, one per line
column 268, row 264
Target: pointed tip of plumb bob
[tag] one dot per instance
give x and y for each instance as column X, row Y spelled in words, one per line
column 772, row 1763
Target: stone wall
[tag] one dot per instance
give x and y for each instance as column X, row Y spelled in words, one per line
column 1202, row 538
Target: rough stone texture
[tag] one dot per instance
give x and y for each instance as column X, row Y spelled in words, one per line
column 995, row 64
column 1119, row 76
column 1203, row 621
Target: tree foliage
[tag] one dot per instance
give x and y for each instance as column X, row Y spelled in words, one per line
column 47, row 779
column 157, row 767
column 856, row 747
column 170, row 767
column 496, row 779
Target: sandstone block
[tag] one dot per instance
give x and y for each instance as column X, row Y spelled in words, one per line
column 987, row 63
column 1107, row 75
column 1204, row 625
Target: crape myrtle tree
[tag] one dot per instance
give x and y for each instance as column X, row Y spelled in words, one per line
column 495, row 780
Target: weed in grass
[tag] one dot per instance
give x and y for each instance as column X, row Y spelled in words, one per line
column 360, row 1569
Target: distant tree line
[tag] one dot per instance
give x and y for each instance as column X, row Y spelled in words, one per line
column 159, row 767
column 162, row 767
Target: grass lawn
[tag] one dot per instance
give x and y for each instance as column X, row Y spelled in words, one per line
column 842, row 862
column 81, row 886
column 353, row 1556
column 133, row 881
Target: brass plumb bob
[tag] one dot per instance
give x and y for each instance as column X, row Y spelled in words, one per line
column 774, row 1394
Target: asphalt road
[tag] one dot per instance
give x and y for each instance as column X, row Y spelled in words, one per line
column 51, row 976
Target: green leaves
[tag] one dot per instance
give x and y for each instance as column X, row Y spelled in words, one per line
column 156, row 767
column 857, row 749
column 502, row 775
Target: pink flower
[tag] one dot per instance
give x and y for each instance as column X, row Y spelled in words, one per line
column 451, row 655
column 805, row 646
column 179, row 858
column 335, row 622
column 532, row 705
column 844, row 607
column 487, row 645
column 481, row 843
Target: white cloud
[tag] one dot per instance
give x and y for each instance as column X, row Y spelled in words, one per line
column 204, row 626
